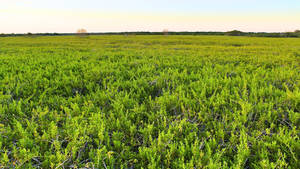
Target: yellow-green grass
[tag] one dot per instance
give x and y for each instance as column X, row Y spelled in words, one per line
column 149, row 102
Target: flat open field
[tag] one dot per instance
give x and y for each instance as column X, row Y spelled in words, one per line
column 149, row 101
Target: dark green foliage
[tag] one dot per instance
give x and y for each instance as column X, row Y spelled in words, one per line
column 149, row 102
column 234, row 33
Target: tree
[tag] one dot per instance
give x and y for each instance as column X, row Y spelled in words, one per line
column 82, row 32
column 166, row 32
column 297, row 33
column 32, row 35
column 234, row 33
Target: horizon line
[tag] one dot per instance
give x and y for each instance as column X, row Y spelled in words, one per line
column 170, row 31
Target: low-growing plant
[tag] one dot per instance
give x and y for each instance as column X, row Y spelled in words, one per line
column 149, row 102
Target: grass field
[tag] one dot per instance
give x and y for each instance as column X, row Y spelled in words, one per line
column 149, row 102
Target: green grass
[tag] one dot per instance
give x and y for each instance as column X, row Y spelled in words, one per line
column 149, row 102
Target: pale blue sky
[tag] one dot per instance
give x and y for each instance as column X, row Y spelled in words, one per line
column 148, row 15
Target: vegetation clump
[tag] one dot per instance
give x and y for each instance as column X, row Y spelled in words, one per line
column 234, row 33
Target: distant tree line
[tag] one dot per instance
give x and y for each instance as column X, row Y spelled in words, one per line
column 263, row 34
column 30, row 34
column 229, row 33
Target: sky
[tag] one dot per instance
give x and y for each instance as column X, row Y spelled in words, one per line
column 66, row 16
